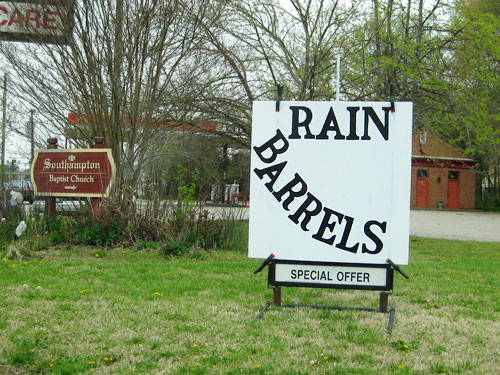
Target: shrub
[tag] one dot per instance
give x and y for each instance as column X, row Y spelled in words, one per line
column 189, row 228
column 174, row 249
column 99, row 233
column 172, row 229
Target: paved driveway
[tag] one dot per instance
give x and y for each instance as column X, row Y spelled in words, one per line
column 456, row 225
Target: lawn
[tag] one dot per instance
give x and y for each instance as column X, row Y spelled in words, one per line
column 118, row 311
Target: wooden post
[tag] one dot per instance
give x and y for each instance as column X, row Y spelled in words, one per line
column 50, row 202
column 4, row 124
column 99, row 142
column 384, row 299
column 277, row 296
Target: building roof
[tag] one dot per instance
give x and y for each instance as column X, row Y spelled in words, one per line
column 428, row 149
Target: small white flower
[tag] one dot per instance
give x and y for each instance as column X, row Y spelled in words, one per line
column 25, row 286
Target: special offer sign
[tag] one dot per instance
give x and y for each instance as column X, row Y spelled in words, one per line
column 330, row 182
column 73, row 172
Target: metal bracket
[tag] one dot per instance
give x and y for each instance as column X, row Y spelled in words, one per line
column 392, row 312
column 264, row 264
column 280, row 97
column 277, row 294
column 391, row 96
column 397, row 268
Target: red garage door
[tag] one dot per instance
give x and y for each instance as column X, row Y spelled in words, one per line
column 453, row 190
column 422, row 189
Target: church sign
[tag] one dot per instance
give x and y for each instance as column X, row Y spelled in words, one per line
column 73, row 173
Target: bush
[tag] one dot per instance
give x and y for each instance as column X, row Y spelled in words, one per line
column 489, row 203
column 100, row 232
column 173, row 230
column 60, row 229
column 188, row 228
column 174, row 249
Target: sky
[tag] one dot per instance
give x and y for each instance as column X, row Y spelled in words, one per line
column 16, row 147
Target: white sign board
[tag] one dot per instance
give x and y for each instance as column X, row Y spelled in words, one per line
column 323, row 274
column 330, row 181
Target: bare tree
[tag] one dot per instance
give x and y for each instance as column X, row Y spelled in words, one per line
column 115, row 75
column 252, row 46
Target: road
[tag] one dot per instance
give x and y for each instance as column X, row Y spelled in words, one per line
column 455, row 225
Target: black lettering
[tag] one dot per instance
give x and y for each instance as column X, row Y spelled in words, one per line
column 369, row 233
column 382, row 128
column 306, row 275
column 340, row 276
column 314, row 275
column 326, row 224
column 271, row 146
column 327, row 127
column 295, row 122
column 293, row 274
column 359, row 277
column 345, row 237
column 300, row 273
column 366, row 277
column 273, row 172
column 288, row 188
column 303, row 209
column 352, row 124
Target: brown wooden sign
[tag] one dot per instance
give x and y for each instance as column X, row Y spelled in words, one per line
column 73, row 172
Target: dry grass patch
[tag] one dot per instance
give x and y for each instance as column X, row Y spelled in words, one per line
column 130, row 312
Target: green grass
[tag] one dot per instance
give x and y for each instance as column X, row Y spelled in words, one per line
column 136, row 312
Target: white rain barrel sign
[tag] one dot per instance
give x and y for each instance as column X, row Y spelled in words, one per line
column 330, row 181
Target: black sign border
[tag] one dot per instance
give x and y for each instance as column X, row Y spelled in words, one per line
column 271, row 279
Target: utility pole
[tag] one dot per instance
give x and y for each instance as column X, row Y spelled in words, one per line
column 32, row 136
column 4, row 124
column 338, row 77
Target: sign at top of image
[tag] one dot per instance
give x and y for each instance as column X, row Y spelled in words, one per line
column 43, row 21
column 73, row 173
column 330, row 181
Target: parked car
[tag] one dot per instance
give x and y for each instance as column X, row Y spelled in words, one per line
column 21, row 186
column 64, row 206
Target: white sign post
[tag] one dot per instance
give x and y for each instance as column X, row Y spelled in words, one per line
column 330, row 183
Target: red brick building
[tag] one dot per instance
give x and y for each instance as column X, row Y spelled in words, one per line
column 442, row 176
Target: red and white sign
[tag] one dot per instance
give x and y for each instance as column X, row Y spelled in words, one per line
column 73, row 173
column 25, row 20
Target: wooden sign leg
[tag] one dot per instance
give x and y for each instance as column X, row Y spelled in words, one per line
column 384, row 299
column 50, row 207
column 96, row 206
column 277, row 296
